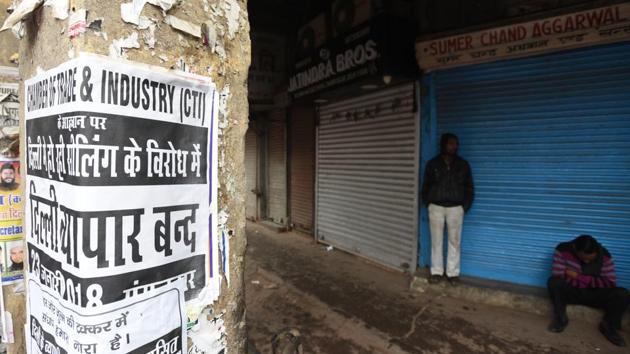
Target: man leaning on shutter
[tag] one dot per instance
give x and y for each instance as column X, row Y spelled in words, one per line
column 448, row 193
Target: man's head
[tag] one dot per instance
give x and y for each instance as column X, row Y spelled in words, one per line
column 7, row 174
column 586, row 248
column 17, row 254
column 449, row 143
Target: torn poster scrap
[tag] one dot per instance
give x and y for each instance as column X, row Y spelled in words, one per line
column 183, row 26
column 60, row 8
column 21, row 12
column 118, row 46
column 130, row 11
column 77, row 23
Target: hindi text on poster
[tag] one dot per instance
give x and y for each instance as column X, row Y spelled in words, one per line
column 120, row 195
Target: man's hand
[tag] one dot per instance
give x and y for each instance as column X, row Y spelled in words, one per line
column 571, row 274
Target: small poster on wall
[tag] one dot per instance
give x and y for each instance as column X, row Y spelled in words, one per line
column 11, row 187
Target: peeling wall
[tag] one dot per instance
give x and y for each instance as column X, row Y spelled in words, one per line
column 223, row 54
column 9, row 45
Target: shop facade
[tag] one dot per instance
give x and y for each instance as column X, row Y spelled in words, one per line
column 366, row 181
column 542, row 110
column 266, row 137
column 301, row 152
column 359, row 89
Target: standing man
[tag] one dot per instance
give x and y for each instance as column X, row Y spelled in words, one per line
column 583, row 273
column 448, row 193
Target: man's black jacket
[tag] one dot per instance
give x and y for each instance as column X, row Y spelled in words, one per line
column 448, row 186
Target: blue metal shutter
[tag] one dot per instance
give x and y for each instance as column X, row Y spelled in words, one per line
column 548, row 139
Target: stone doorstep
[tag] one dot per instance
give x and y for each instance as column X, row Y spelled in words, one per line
column 531, row 303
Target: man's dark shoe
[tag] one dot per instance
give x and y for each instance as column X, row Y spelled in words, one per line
column 558, row 324
column 434, row 279
column 453, row 280
column 611, row 334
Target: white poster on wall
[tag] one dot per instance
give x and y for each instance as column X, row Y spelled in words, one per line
column 130, row 326
column 121, row 192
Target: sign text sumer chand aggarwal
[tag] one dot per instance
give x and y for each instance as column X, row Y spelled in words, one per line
column 532, row 30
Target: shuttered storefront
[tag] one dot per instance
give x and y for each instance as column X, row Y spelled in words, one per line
column 548, row 139
column 277, row 167
column 251, row 174
column 302, row 171
column 367, row 158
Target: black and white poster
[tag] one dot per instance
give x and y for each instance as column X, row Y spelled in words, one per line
column 120, row 195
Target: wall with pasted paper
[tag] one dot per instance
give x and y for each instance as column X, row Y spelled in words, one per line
column 205, row 37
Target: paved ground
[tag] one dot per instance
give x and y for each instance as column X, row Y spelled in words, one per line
column 342, row 304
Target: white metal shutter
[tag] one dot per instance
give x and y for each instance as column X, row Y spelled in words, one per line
column 302, row 167
column 277, row 167
column 367, row 179
column 251, row 174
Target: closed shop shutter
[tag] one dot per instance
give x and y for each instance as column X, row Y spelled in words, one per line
column 302, row 167
column 367, row 162
column 277, row 167
column 548, row 139
column 251, row 174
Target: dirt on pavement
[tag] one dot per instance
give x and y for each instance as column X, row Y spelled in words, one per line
column 341, row 303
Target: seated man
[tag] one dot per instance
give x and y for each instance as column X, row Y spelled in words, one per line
column 584, row 274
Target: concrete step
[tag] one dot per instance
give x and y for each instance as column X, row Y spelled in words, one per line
column 525, row 299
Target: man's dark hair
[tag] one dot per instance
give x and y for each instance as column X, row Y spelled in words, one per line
column 444, row 140
column 586, row 243
column 7, row 166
